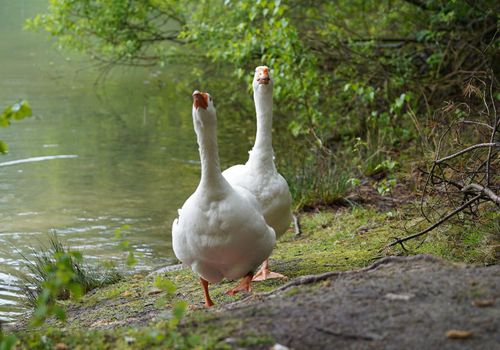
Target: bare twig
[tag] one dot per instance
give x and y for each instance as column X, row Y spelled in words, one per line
column 476, row 123
column 486, row 191
column 296, row 225
column 492, row 138
column 368, row 337
column 432, row 227
column 468, row 149
column 335, row 274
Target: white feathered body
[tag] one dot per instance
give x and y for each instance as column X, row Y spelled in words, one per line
column 259, row 174
column 222, row 236
column 269, row 188
column 220, row 232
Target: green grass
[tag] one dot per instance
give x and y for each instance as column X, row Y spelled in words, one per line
column 344, row 239
column 316, row 180
column 40, row 263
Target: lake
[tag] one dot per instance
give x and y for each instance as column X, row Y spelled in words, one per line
column 95, row 156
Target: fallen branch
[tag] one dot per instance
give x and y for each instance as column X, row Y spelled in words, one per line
column 368, row 337
column 336, row 274
column 432, row 227
column 463, row 177
column 473, row 147
column 473, row 122
column 484, row 190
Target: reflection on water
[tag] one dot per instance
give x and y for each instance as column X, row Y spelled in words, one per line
column 37, row 159
column 92, row 158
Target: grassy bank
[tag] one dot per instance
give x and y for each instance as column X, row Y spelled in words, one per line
column 137, row 312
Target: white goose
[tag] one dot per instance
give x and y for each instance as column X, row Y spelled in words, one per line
column 259, row 174
column 220, row 231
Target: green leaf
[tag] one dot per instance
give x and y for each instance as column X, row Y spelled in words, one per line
column 76, row 290
column 77, row 255
column 124, row 244
column 295, row 128
column 179, row 309
column 131, row 260
column 6, row 343
column 165, row 285
column 354, row 182
column 59, row 312
column 4, row 148
column 4, row 121
column 21, row 110
column 118, row 233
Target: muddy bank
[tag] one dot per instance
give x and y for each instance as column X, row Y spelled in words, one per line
column 398, row 303
column 350, row 303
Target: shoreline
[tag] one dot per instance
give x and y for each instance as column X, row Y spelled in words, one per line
column 333, row 241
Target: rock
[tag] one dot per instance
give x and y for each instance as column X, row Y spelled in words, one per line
column 401, row 296
column 279, row 347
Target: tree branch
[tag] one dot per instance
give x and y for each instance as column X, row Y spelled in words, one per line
column 484, row 190
column 476, row 123
column 465, row 150
column 492, row 138
column 432, row 227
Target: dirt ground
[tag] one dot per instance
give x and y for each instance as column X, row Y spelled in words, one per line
column 418, row 302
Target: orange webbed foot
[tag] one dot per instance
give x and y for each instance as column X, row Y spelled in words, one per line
column 264, row 273
column 243, row 286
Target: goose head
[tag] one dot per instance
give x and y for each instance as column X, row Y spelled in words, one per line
column 262, row 81
column 204, row 114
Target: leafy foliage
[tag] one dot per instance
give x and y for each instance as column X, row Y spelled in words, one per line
column 58, row 273
column 17, row 111
column 172, row 338
column 7, row 341
column 352, row 77
column 126, row 32
column 120, row 236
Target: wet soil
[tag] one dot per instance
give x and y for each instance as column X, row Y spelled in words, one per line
column 419, row 302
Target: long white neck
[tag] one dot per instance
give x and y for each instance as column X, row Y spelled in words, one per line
column 262, row 153
column 211, row 177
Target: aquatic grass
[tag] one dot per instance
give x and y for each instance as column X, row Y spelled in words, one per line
column 43, row 261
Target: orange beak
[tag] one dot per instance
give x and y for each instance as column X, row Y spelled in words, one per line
column 263, row 76
column 200, row 99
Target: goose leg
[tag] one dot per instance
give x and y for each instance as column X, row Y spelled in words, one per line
column 264, row 273
column 244, row 285
column 208, row 301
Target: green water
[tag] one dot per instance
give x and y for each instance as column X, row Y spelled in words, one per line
column 134, row 157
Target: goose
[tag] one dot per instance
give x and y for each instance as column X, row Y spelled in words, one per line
column 220, row 231
column 259, row 174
